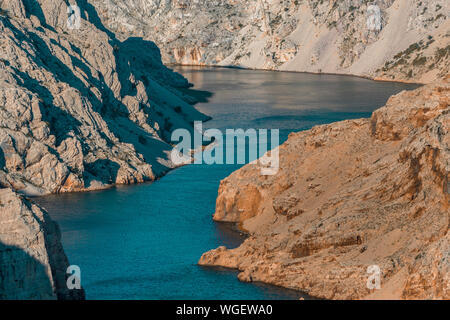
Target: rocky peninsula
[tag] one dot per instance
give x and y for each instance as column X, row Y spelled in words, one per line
column 348, row 196
column 79, row 110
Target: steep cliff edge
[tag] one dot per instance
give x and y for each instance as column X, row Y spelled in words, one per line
column 32, row 261
column 348, row 196
column 403, row 40
column 79, row 109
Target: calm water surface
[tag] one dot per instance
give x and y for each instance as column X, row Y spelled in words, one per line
column 144, row 241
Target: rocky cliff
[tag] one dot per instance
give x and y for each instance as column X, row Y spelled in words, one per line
column 404, row 40
column 32, row 261
column 79, row 109
column 349, row 196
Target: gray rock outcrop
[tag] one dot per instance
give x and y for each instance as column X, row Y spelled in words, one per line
column 81, row 110
column 33, row 264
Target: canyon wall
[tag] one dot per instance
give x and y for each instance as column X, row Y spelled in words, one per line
column 32, row 261
column 81, row 110
column 403, row 40
column 351, row 198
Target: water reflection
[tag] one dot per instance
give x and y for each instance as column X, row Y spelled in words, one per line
column 244, row 97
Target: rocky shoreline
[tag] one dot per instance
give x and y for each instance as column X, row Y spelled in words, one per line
column 33, row 264
column 380, row 79
column 350, row 195
column 393, row 40
column 80, row 111
column 83, row 110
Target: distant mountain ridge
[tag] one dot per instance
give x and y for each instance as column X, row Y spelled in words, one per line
column 402, row 40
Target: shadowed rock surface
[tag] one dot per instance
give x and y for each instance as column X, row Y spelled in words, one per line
column 32, row 261
column 405, row 40
column 81, row 110
column 347, row 196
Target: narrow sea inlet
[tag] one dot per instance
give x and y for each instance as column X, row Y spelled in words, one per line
column 144, row 241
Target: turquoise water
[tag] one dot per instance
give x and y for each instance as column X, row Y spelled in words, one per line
column 144, row 241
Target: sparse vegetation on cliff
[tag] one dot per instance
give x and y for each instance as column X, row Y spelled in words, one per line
column 319, row 36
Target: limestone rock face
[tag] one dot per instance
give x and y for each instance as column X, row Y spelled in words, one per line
column 348, row 196
column 405, row 40
column 79, row 109
column 32, row 261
